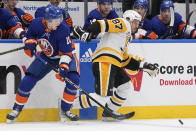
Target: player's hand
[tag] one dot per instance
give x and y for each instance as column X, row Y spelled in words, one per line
column 27, row 18
column 30, row 47
column 194, row 34
column 151, row 35
column 63, row 71
column 80, row 34
column 69, row 21
column 151, row 69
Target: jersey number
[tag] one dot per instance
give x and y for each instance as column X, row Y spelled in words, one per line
column 68, row 40
column 117, row 23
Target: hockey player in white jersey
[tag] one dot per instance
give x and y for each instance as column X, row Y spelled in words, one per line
column 109, row 59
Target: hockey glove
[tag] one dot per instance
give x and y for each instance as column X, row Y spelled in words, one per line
column 151, row 69
column 151, row 35
column 27, row 18
column 30, row 47
column 80, row 34
column 63, row 71
column 69, row 22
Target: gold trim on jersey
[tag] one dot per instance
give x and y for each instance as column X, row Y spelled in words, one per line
column 102, row 24
column 104, row 77
column 110, row 55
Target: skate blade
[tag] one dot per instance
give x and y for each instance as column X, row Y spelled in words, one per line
column 10, row 121
column 68, row 121
column 110, row 119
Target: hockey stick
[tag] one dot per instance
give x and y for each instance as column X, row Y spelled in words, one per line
column 66, row 9
column 13, row 50
column 119, row 117
column 171, row 24
column 187, row 21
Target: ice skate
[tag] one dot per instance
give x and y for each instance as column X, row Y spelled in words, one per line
column 68, row 116
column 12, row 116
column 107, row 117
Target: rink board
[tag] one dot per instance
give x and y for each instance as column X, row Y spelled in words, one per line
column 157, row 98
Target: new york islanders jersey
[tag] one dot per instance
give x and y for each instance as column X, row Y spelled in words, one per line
column 53, row 43
column 96, row 15
column 112, row 47
column 41, row 11
column 159, row 28
column 18, row 13
column 7, row 23
column 145, row 24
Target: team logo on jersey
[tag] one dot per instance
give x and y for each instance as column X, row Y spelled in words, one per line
column 46, row 47
column 86, row 57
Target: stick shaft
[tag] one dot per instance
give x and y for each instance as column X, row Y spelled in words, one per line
column 10, row 51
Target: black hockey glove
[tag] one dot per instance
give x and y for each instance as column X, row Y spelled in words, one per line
column 80, row 34
column 151, row 69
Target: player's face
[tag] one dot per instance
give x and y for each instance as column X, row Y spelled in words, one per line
column 11, row 4
column 55, row 2
column 54, row 23
column 139, row 9
column 134, row 26
column 105, row 8
column 166, row 15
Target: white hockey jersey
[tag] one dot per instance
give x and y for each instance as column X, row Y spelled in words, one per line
column 112, row 47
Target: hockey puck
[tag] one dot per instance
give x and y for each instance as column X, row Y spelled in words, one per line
column 181, row 122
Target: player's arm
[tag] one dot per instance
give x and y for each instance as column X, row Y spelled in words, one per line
column 114, row 25
column 30, row 40
column 187, row 30
column 69, row 21
column 25, row 17
column 13, row 28
column 190, row 31
column 133, row 64
column 143, row 34
column 66, row 46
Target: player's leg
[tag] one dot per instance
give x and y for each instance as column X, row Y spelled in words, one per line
column 104, row 81
column 122, row 82
column 70, row 92
column 36, row 71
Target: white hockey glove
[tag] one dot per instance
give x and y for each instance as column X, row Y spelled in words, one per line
column 80, row 34
column 151, row 69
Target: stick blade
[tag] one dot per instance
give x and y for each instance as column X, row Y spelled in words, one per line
column 125, row 116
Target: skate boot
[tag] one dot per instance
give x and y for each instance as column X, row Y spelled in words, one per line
column 68, row 115
column 107, row 117
column 12, row 116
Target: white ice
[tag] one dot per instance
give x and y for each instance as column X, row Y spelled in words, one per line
column 127, row 125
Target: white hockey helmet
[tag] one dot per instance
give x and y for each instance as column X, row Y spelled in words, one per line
column 131, row 15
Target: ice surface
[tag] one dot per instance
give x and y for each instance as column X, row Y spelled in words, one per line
column 127, row 125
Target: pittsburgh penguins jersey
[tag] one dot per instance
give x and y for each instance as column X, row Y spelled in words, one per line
column 41, row 11
column 53, row 43
column 96, row 15
column 7, row 23
column 112, row 47
column 159, row 28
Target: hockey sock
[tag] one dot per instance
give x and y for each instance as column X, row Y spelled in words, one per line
column 115, row 101
column 23, row 92
column 70, row 92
